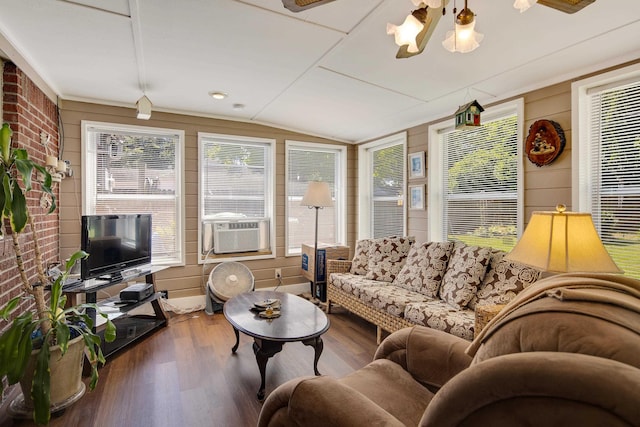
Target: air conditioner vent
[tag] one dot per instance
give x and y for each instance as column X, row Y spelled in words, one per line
column 232, row 236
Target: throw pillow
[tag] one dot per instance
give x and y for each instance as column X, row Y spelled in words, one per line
column 467, row 267
column 504, row 280
column 387, row 256
column 424, row 268
column 360, row 262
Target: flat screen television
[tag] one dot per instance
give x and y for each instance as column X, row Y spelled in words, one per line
column 115, row 243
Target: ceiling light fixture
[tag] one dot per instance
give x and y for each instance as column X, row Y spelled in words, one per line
column 412, row 36
column 405, row 34
column 523, row 5
column 218, row 95
column 464, row 38
column 144, row 108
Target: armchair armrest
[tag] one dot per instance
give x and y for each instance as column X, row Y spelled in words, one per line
column 432, row 357
column 539, row 389
column 319, row 402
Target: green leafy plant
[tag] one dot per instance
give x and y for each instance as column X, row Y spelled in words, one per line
column 52, row 323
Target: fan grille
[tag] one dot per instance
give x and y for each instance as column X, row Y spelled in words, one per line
column 229, row 279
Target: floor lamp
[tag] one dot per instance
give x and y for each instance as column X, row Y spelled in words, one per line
column 317, row 196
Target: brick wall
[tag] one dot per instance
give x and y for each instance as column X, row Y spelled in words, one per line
column 29, row 113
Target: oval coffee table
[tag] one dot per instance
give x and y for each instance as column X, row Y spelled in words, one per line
column 300, row 320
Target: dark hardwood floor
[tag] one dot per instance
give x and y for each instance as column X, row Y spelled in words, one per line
column 185, row 375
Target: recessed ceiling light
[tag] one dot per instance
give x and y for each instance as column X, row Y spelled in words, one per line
column 218, row 95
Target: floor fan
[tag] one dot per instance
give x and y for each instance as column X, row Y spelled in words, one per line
column 225, row 281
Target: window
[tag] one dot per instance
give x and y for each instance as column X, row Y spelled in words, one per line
column 135, row 169
column 236, row 183
column 475, row 180
column 308, row 162
column 607, row 161
column 382, row 187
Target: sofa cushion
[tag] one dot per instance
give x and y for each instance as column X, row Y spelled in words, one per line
column 352, row 283
column 360, row 262
column 438, row 315
column 390, row 298
column 503, row 281
column 467, row 268
column 387, row 256
column 424, row 268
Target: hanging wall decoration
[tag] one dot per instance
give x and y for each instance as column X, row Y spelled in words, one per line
column 468, row 115
column 545, row 142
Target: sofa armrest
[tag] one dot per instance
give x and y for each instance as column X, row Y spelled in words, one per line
column 321, row 401
column 432, row 357
column 338, row 266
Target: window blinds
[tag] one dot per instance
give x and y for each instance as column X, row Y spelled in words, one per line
column 614, row 150
column 304, row 164
column 387, row 216
column 137, row 172
column 234, row 179
column 481, row 183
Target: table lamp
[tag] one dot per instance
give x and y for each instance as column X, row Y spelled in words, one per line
column 561, row 242
column 317, row 196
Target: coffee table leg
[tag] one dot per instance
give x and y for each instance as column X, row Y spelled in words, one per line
column 263, row 350
column 318, row 346
column 235, row 347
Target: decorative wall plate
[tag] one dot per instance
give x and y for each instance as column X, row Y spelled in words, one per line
column 545, row 142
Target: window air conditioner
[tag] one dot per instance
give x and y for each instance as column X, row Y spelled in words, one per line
column 230, row 236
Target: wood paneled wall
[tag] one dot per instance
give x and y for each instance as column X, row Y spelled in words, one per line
column 186, row 281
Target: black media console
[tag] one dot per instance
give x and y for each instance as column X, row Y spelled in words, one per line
column 130, row 318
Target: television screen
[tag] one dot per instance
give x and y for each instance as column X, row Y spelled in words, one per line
column 114, row 243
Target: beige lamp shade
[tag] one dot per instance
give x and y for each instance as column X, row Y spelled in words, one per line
column 318, row 194
column 563, row 242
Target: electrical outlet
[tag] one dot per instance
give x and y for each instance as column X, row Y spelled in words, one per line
column 164, row 294
column 278, row 273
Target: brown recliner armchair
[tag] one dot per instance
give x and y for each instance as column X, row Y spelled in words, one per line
column 565, row 352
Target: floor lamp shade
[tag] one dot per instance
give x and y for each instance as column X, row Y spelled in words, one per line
column 563, row 242
column 318, row 194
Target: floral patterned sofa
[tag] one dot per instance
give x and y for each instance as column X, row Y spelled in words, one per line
column 394, row 283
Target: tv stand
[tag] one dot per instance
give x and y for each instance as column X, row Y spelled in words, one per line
column 130, row 325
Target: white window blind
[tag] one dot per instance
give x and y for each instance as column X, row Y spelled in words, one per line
column 614, row 150
column 480, row 183
column 309, row 162
column 137, row 170
column 387, row 189
column 234, row 178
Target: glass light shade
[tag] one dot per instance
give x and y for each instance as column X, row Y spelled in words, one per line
column 563, row 242
column 318, row 194
column 464, row 39
column 523, row 5
column 406, row 33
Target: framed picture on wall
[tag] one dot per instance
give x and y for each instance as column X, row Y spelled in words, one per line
column 416, row 165
column 416, row 197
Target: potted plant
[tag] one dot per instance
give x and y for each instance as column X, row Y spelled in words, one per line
column 34, row 342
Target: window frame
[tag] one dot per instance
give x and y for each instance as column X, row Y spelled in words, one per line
column 583, row 173
column 580, row 150
column 270, row 143
column 436, row 171
column 340, row 202
column 365, row 181
column 88, row 206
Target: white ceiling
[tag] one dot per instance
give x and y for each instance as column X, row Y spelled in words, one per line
column 329, row 71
